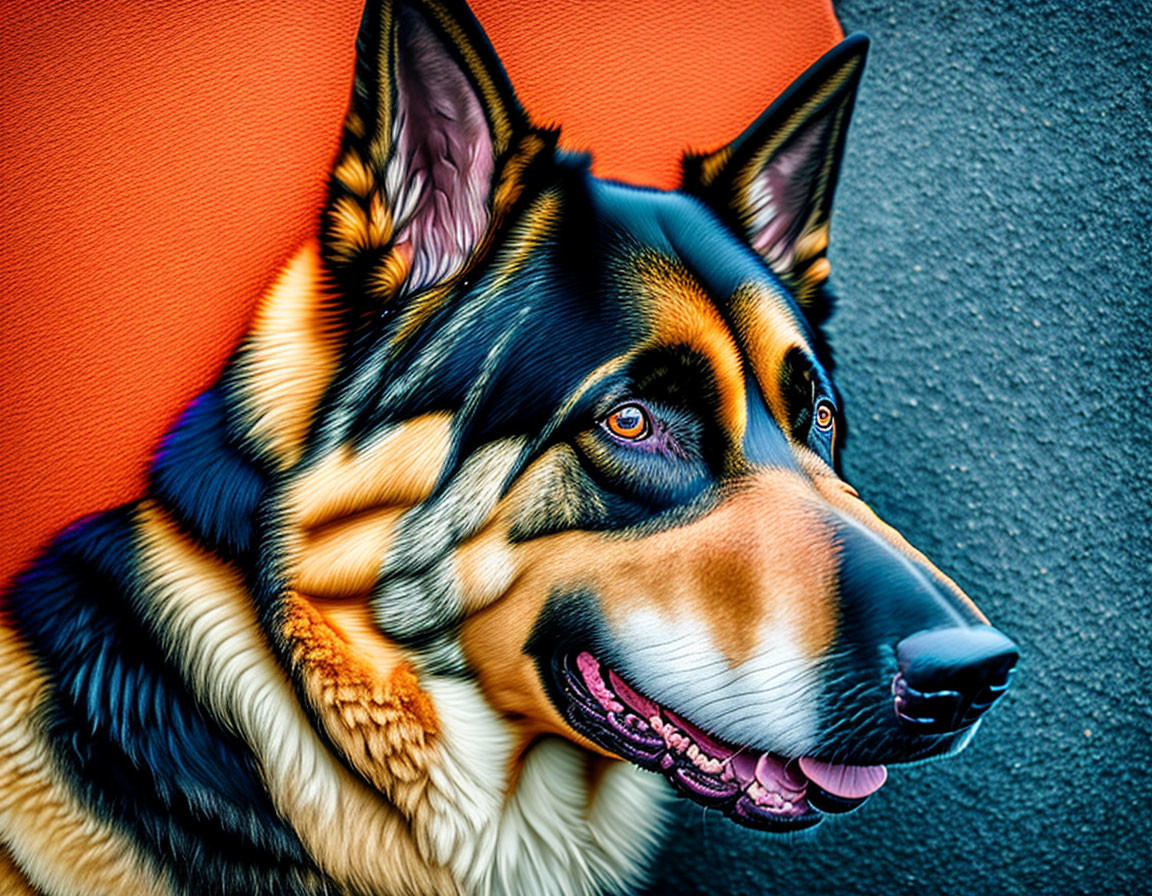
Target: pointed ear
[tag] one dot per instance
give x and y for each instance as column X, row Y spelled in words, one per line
column 774, row 183
column 434, row 151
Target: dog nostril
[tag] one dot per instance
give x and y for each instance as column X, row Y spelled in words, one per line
column 949, row 677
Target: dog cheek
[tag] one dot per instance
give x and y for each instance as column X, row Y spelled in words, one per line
column 341, row 560
column 493, row 641
column 485, row 569
column 554, row 495
column 764, row 557
column 342, row 512
column 399, row 469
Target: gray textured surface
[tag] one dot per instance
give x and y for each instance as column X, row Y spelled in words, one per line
column 992, row 254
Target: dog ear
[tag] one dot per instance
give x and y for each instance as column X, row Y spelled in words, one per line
column 774, row 183
column 434, row 150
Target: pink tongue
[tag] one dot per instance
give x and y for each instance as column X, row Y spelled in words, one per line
column 852, row 782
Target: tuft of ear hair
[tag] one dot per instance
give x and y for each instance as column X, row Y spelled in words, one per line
column 434, row 153
column 774, row 183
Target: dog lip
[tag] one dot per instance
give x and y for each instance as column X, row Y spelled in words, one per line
column 754, row 788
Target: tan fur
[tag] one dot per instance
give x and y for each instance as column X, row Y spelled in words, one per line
column 764, row 558
column 341, row 821
column 725, row 570
column 511, row 185
column 813, row 275
column 769, row 331
column 374, row 712
column 484, row 568
column 342, row 559
column 289, row 359
column 493, row 641
column 812, row 243
column 682, row 314
column 12, row 879
column 399, row 469
column 351, row 171
column 496, row 578
column 44, row 828
column 360, row 227
column 712, row 165
column 388, row 278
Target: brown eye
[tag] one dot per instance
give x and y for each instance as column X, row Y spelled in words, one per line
column 629, row 421
column 824, row 415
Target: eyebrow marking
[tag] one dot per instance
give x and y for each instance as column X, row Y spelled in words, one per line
column 769, row 330
column 682, row 313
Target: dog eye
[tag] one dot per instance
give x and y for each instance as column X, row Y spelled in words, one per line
column 824, row 416
column 629, row 421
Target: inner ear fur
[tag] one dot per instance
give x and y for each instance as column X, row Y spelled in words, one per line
column 434, row 153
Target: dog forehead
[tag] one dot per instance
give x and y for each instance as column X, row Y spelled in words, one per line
column 672, row 247
column 688, row 233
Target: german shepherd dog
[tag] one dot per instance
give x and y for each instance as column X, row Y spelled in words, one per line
column 522, row 487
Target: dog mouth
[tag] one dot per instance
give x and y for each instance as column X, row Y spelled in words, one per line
column 754, row 788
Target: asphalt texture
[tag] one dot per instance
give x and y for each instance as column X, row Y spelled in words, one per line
column 991, row 252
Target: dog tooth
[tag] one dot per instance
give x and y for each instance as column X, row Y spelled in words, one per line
column 693, row 751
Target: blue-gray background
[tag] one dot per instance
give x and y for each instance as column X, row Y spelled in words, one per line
column 991, row 250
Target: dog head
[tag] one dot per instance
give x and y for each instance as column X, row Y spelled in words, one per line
column 576, row 442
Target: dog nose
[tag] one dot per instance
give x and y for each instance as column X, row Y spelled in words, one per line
column 949, row 677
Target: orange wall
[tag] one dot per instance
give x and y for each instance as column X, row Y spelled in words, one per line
column 159, row 161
